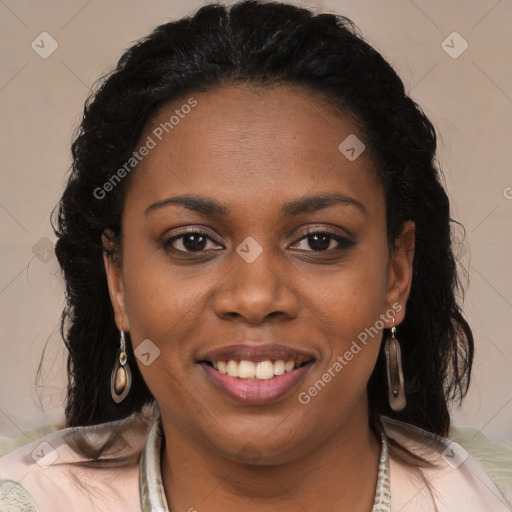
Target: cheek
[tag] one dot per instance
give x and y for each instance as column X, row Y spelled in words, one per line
column 161, row 305
column 159, row 297
column 352, row 298
column 169, row 306
column 350, row 315
column 163, row 308
column 349, row 310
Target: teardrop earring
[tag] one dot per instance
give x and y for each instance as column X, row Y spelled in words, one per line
column 396, row 387
column 121, row 378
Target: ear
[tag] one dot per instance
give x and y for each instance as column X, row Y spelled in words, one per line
column 400, row 270
column 115, row 283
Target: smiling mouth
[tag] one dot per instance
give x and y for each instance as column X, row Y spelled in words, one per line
column 256, row 373
column 257, row 370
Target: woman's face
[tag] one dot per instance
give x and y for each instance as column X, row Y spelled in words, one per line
column 221, row 264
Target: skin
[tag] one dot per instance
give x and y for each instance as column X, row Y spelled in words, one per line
column 254, row 150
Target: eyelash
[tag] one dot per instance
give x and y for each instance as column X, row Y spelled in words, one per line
column 344, row 243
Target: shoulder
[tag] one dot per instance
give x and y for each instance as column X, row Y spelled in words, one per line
column 80, row 469
column 453, row 480
column 494, row 457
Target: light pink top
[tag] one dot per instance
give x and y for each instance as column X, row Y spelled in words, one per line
column 49, row 476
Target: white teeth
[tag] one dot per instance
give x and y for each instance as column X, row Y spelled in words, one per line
column 262, row 370
column 233, row 368
column 246, row 369
column 279, row 367
column 265, row 370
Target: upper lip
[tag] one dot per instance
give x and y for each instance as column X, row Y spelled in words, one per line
column 259, row 351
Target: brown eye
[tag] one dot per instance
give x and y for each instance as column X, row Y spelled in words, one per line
column 193, row 241
column 319, row 241
column 322, row 241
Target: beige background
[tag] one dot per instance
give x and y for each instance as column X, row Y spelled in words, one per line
column 468, row 98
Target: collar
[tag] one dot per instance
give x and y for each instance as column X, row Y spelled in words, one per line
column 152, row 495
column 152, row 490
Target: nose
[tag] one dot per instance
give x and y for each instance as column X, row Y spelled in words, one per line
column 257, row 291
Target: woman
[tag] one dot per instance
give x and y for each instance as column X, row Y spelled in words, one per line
column 260, row 281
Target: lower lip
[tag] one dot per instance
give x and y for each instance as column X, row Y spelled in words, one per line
column 257, row 391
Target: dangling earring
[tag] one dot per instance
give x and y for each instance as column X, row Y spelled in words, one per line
column 121, row 378
column 396, row 388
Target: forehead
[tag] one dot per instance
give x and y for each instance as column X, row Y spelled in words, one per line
column 248, row 142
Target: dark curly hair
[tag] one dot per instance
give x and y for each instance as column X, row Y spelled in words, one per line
column 264, row 44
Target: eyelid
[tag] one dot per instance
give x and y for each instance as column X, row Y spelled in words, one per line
column 322, row 229
column 185, row 231
column 311, row 230
column 167, row 241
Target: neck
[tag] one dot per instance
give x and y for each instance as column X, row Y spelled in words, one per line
column 339, row 474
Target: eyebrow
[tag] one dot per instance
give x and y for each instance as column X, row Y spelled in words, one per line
column 308, row 204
